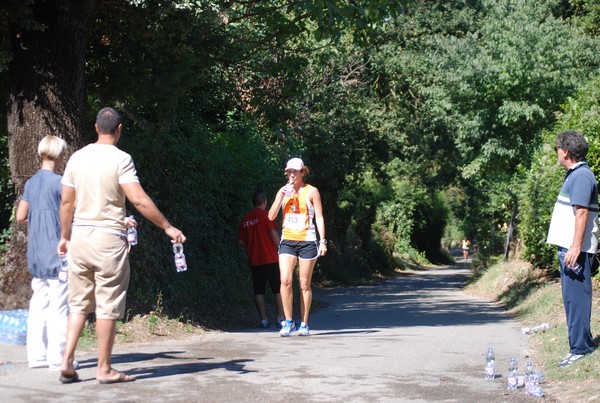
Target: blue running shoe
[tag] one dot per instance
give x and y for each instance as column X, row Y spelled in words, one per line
column 303, row 330
column 286, row 329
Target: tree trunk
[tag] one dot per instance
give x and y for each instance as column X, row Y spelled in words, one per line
column 46, row 97
column 511, row 227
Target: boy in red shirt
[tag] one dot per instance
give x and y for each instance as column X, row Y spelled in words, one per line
column 259, row 236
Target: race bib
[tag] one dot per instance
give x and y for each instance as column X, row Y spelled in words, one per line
column 295, row 221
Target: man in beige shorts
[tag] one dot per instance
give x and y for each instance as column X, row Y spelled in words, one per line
column 97, row 181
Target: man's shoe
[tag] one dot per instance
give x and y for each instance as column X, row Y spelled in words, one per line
column 265, row 324
column 286, row 328
column 570, row 359
column 303, row 330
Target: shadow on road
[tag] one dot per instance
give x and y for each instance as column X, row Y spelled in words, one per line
column 423, row 299
column 194, row 365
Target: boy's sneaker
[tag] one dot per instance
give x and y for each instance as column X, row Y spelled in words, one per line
column 265, row 324
column 286, row 328
column 303, row 330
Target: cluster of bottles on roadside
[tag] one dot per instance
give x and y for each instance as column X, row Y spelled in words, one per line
column 13, row 326
column 530, row 380
column 178, row 255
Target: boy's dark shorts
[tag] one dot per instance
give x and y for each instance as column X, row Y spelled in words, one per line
column 263, row 273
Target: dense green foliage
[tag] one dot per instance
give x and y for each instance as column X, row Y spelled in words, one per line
column 475, row 84
column 203, row 181
column 544, row 178
column 418, row 120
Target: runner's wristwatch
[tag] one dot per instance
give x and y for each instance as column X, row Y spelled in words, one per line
column 323, row 241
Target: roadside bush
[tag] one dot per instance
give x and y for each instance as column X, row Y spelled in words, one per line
column 542, row 182
column 539, row 192
column 396, row 219
column 203, row 182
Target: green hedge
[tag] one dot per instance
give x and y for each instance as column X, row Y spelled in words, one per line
column 542, row 182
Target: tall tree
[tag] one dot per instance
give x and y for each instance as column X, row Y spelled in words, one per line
column 485, row 78
column 156, row 46
column 45, row 97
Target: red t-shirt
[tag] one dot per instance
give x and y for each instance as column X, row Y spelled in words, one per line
column 255, row 232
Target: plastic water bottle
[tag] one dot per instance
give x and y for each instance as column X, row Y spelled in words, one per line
column 290, row 188
column 538, row 376
column 536, row 390
column 529, row 380
column 132, row 235
column 63, row 272
column 490, row 365
column 512, row 378
column 576, row 268
column 535, row 329
column 180, row 263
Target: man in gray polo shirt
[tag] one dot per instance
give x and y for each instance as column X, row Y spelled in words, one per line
column 574, row 230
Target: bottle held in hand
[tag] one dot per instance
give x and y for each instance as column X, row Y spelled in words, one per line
column 290, row 188
column 63, row 273
column 132, row 235
column 576, row 268
column 180, row 263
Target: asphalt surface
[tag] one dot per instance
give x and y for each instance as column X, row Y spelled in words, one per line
column 416, row 338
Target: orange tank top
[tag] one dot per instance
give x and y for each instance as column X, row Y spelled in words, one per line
column 298, row 217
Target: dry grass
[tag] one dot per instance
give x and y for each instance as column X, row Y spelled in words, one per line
column 153, row 327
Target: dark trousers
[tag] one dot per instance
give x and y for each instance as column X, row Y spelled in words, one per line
column 577, row 299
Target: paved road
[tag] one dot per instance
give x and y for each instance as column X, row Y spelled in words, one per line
column 416, row 338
